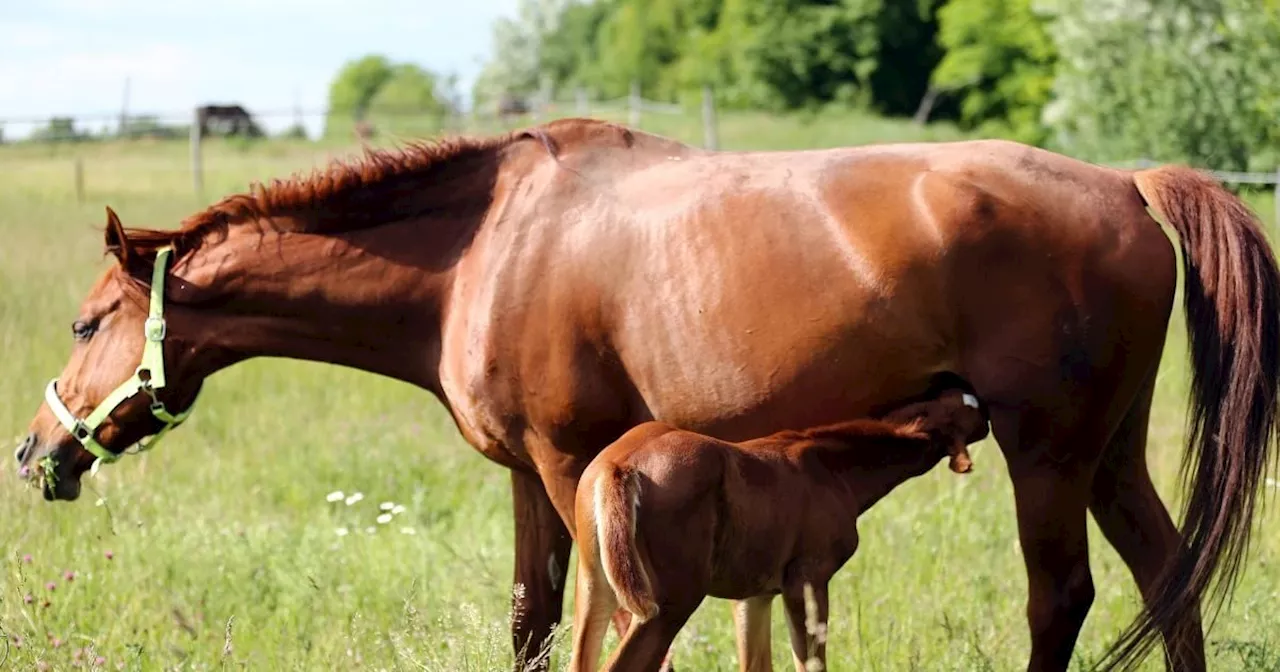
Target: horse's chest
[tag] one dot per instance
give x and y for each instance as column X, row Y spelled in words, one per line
column 481, row 394
column 513, row 396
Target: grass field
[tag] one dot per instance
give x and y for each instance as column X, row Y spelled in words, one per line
column 220, row 551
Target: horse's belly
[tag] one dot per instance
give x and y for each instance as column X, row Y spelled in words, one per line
column 804, row 383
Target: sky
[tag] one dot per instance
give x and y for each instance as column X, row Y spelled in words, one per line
column 72, row 57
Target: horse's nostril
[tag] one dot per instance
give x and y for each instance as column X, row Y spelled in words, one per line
column 25, row 447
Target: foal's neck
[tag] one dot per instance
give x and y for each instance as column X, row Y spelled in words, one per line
column 870, row 458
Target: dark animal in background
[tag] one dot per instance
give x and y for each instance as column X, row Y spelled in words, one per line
column 227, row 121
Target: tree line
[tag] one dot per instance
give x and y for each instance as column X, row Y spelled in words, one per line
column 1174, row 80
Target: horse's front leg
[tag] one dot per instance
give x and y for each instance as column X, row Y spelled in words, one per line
column 542, row 563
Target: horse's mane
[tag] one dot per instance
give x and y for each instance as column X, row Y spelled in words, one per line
column 382, row 186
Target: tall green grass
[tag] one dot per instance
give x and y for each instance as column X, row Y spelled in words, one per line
column 224, row 552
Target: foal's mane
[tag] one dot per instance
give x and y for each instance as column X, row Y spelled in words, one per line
column 851, row 431
column 382, row 186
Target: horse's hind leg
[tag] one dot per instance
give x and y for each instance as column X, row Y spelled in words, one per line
column 1132, row 517
column 1051, row 527
column 1051, row 464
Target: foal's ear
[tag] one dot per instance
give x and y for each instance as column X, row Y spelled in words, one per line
column 116, row 241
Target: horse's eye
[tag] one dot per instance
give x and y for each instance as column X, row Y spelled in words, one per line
column 82, row 330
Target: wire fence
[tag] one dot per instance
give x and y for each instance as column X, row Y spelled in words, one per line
column 1227, row 176
column 301, row 123
column 322, row 123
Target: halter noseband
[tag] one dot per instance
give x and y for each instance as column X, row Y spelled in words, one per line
column 148, row 378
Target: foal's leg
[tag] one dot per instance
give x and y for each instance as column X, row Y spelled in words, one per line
column 808, row 639
column 542, row 564
column 622, row 622
column 1135, row 521
column 646, row 644
column 751, row 621
column 594, row 602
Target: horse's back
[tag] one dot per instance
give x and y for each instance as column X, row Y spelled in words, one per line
column 739, row 293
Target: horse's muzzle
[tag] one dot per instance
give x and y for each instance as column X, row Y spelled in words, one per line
column 48, row 468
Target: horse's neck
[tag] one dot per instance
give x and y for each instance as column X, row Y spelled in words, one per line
column 370, row 299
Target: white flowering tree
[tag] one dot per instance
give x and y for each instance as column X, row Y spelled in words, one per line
column 516, row 65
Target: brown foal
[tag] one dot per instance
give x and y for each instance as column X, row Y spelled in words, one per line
column 666, row 517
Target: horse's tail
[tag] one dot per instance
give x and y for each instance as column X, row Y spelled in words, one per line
column 616, row 499
column 1232, row 302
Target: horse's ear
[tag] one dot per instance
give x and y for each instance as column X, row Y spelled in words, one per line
column 116, row 241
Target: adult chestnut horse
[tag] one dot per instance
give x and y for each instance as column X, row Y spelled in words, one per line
column 559, row 285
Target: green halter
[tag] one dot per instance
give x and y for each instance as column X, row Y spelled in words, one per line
column 148, row 378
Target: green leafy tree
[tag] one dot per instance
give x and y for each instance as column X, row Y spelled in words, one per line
column 721, row 52
column 755, row 53
column 356, row 84
column 569, row 52
column 409, row 90
column 813, row 52
column 373, row 85
column 59, row 129
column 1171, row 81
column 1000, row 60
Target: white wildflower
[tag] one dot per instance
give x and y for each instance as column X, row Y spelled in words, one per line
column 334, row 496
column 386, row 506
column 370, row 530
column 397, row 510
column 384, row 519
column 408, row 530
column 341, row 531
column 355, row 497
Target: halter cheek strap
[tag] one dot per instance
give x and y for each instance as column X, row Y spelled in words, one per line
column 149, row 378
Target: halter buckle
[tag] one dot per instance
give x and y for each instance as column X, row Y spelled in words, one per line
column 155, row 329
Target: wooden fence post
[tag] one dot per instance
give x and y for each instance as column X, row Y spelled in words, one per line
column 197, row 164
column 542, row 103
column 633, row 104
column 710, row 130
column 580, row 102
column 79, row 180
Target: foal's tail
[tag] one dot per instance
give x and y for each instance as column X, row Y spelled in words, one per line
column 1232, row 302
column 617, row 496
